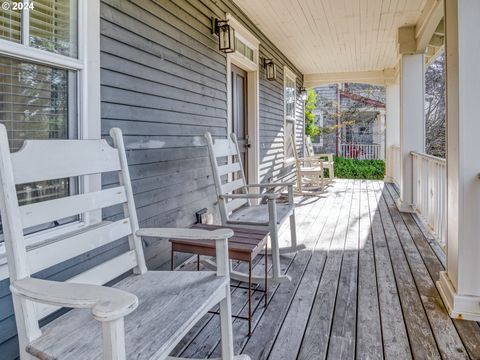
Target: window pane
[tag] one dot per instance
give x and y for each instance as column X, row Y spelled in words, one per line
column 290, row 98
column 10, row 22
column 35, row 104
column 289, row 135
column 243, row 49
column 53, row 26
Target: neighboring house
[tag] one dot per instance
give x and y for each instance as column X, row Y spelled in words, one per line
column 361, row 124
column 154, row 69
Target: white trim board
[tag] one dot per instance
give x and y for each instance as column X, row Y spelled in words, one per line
column 253, row 83
column 288, row 73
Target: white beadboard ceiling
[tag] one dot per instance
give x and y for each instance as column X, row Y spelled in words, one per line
column 335, row 36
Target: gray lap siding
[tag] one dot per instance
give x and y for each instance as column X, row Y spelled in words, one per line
column 163, row 82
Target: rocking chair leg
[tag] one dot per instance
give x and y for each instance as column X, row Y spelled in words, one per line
column 113, row 340
column 226, row 327
column 276, row 272
column 293, row 231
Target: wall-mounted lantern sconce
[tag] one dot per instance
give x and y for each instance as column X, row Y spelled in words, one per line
column 226, row 35
column 270, row 69
column 303, row 94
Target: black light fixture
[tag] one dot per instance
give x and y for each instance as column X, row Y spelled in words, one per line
column 270, row 69
column 226, row 35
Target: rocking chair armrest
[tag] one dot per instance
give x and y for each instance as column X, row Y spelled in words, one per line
column 271, row 185
column 106, row 303
column 189, row 234
column 329, row 156
column 220, row 236
column 268, row 196
column 312, row 159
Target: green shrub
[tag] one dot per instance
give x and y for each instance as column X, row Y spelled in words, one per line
column 359, row 169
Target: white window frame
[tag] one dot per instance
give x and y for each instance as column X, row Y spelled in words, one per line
column 87, row 66
column 289, row 74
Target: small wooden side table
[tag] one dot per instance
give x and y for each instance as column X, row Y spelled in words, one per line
column 244, row 245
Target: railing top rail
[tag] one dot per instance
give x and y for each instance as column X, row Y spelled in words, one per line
column 360, row 144
column 429, row 157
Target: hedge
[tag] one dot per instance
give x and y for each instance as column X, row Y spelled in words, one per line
column 359, row 169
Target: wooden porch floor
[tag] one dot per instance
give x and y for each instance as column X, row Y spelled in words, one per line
column 364, row 288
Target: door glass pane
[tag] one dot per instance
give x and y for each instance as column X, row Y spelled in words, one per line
column 53, row 26
column 10, row 22
column 35, row 103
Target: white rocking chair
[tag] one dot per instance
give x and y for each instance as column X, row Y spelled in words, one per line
column 143, row 316
column 310, row 181
column 236, row 208
column 327, row 158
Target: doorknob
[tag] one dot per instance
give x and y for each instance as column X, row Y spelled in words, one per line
column 248, row 145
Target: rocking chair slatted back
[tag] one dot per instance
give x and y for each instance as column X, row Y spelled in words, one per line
column 309, row 146
column 47, row 211
column 41, row 160
column 66, row 158
column 229, row 178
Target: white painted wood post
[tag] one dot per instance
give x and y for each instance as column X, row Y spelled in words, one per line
column 382, row 151
column 223, row 269
column 412, row 122
column 272, row 211
column 114, row 339
column 460, row 284
column 392, row 126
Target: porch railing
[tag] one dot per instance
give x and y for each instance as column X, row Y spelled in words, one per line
column 360, row 151
column 430, row 192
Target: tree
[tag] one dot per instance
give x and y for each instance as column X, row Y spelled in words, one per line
column 311, row 128
column 435, row 139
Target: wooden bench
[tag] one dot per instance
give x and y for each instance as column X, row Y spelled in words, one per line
column 145, row 315
column 244, row 245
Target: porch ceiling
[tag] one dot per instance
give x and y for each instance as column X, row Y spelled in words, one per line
column 337, row 36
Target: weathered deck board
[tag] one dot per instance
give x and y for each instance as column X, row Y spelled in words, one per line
column 343, row 333
column 265, row 334
column 469, row 331
column 448, row 341
column 363, row 289
column 316, row 338
column 421, row 337
column 394, row 334
column 290, row 336
column 369, row 334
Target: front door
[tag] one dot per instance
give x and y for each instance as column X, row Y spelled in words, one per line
column 239, row 113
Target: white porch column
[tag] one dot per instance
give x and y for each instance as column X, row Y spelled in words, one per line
column 392, row 126
column 412, row 122
column 460, row 284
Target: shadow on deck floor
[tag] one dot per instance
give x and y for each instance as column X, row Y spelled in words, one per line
column 364, row 288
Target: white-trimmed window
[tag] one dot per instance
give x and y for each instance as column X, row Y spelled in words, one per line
column 290, row 96
column 49, row 88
